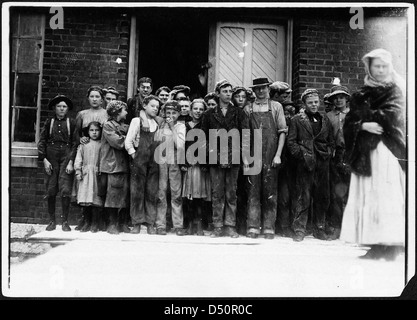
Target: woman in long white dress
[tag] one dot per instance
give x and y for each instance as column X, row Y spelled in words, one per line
column 374, row 133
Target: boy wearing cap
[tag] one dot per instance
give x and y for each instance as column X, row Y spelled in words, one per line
column 172, row 133
column 57, row 150
column 311, row 144
column 114, row 167
column 280, row 91
column 224, row 175
column 135, row 104
column 339, row 170
column 267, row 116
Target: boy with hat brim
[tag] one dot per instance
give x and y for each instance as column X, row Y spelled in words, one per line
column 224, row 175
column 172, row 135
column 311, row 144
column 339, row 170
column 57, row 150
column 268, row 116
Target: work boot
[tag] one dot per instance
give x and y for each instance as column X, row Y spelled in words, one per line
column 65, row 226
column 217, row 232
column 199, row 230
column 65, row 204
column 287, row 232
column 151, row 229
column 51, row 211
column 51, row 226
column 298, row 236
column 112, row 228
column 190, row 229
column 136, row 228
column 252, row 235
column 87, row 220
column 180, row 232
column 231, row 232
column 122, row 226
column 161, row 231
column 95, row 220
column 320, row 234
column 81, row 223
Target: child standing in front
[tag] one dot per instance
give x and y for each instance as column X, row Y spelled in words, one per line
column 172, row 134
column 85, row 166
column 196, row 185
column 114, row 166
column 57, row 151
column 144, row 171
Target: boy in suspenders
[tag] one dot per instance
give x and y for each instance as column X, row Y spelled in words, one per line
column 56, row 149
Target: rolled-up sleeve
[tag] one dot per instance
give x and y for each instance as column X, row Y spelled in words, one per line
column 131, row 135
column 280, row 119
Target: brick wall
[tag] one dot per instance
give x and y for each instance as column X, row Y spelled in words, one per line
column 327, row 47
column 81, row 54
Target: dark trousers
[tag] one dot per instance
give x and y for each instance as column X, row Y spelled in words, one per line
column 223, row 185
column 286, row 185
column 339, row 190
column 144, row 185
column 262, row 200
column 311, row 188
column 59, row 180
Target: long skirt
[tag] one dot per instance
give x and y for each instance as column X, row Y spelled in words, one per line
column 375, row 211
column 197, row 184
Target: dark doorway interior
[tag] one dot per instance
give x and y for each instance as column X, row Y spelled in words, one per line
column 173, row 47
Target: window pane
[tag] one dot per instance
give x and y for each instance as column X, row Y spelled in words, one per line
column 30, row 25
column 14, row 20
column 13, row 54
column 28, row 55
column 25, row 125
column 27, row 89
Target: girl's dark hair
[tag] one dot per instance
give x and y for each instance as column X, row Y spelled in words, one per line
column 164, row 88
column 199, row 100
column 92, row 123
column 95, row 88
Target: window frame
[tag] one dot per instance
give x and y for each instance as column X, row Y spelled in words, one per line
column 25, row 154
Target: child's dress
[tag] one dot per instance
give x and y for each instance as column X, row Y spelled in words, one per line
column 196, row 182
column 86, row 162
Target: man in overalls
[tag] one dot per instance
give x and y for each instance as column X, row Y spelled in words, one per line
column 267, row 116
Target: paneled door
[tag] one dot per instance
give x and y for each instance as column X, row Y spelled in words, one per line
column 244, row 51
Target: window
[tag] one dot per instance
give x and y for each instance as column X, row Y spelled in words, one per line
column 244, row 51
column 27, row 39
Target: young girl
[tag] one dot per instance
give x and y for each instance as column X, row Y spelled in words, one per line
column 85, row 166
column 96, row 112
column 196, row 184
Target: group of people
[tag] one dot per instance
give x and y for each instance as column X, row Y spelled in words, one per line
column 293, row 170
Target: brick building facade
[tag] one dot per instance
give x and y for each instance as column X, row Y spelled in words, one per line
column 95, row 47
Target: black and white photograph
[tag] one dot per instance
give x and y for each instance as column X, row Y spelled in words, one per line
column 231, row 151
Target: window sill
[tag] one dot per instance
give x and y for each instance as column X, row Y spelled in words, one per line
column 24, row 155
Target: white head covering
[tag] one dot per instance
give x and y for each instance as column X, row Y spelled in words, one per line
column 393, row 76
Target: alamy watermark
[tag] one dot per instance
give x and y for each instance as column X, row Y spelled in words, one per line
column 232, row 145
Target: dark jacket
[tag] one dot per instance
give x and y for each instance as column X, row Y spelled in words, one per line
column 384, row 105
column 48, row 137
column 134, row 105
column 113, row 155
column 304, row 146
column 235, row 119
